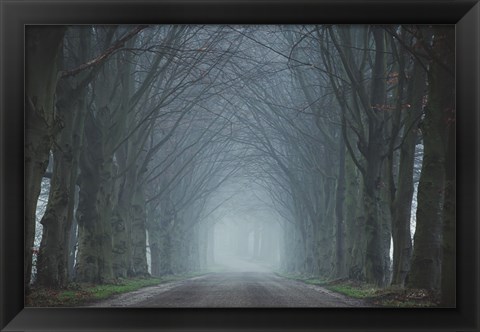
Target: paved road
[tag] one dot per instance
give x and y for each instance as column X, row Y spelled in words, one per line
column 233, row 289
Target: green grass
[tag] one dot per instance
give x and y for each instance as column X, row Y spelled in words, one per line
column 365, row 291
column 102, row 292
column 392, row 296
column 76, row 294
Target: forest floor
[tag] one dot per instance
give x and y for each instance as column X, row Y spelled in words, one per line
column 81, row 294
column 393, row 296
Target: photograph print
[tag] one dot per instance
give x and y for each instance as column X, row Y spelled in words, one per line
column 245, row 166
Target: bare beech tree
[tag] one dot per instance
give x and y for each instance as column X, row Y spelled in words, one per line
column 307, row 142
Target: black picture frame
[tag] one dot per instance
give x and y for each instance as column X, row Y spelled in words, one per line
column 17, row 13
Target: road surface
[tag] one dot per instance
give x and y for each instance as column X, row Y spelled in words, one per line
column 248, row 289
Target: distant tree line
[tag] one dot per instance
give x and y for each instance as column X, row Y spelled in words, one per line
column 338, row 124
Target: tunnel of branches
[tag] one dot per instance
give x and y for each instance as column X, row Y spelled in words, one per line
column 316, row 150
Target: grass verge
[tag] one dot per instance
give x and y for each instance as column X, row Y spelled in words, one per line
column 76, row 294
column 393, row 296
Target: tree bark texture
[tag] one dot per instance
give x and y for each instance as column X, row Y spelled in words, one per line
column 426, row 262
column 94, row 261
column 354, row 221
column 43, row 45
column 138, row 235
column 52, row 263
column 57, row 221
column 402, row 205
column 374, row 182
column 340, row 250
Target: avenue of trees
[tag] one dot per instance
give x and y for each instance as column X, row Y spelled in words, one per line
column 132, row 132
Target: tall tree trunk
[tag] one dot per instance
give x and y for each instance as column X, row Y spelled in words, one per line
column 166, row 250
column 375, row 186
column 121, row 226
column 288, row 249
column 52, row 264
column 153, row 228
column 448, row 280
column 426, row 263
column 354, row 221
column 122, row 215
column 158, row 238
column 164, row 238
column 94, row 231
column 72, row 234
column 72, row 249
column 340, row 265
column 177, row 247
column 402, row 205
column 374, row 259
column 120, row 243
column 105, row 208
column 138, row 235
column 43, row 45
column 299, row 254
column 86, row 267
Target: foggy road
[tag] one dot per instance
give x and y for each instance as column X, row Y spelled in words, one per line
column 233, row 289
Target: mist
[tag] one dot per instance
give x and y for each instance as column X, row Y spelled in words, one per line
column 176, row 150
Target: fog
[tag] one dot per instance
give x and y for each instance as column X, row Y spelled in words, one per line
column 246, row 233
column 233, row 148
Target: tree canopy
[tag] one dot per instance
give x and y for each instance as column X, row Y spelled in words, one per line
column 328, row 150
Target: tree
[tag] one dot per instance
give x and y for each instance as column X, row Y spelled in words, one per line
column 43, row 46
column 52, row 263
column 415, row 83
column 439, row 114
column 154, row 133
